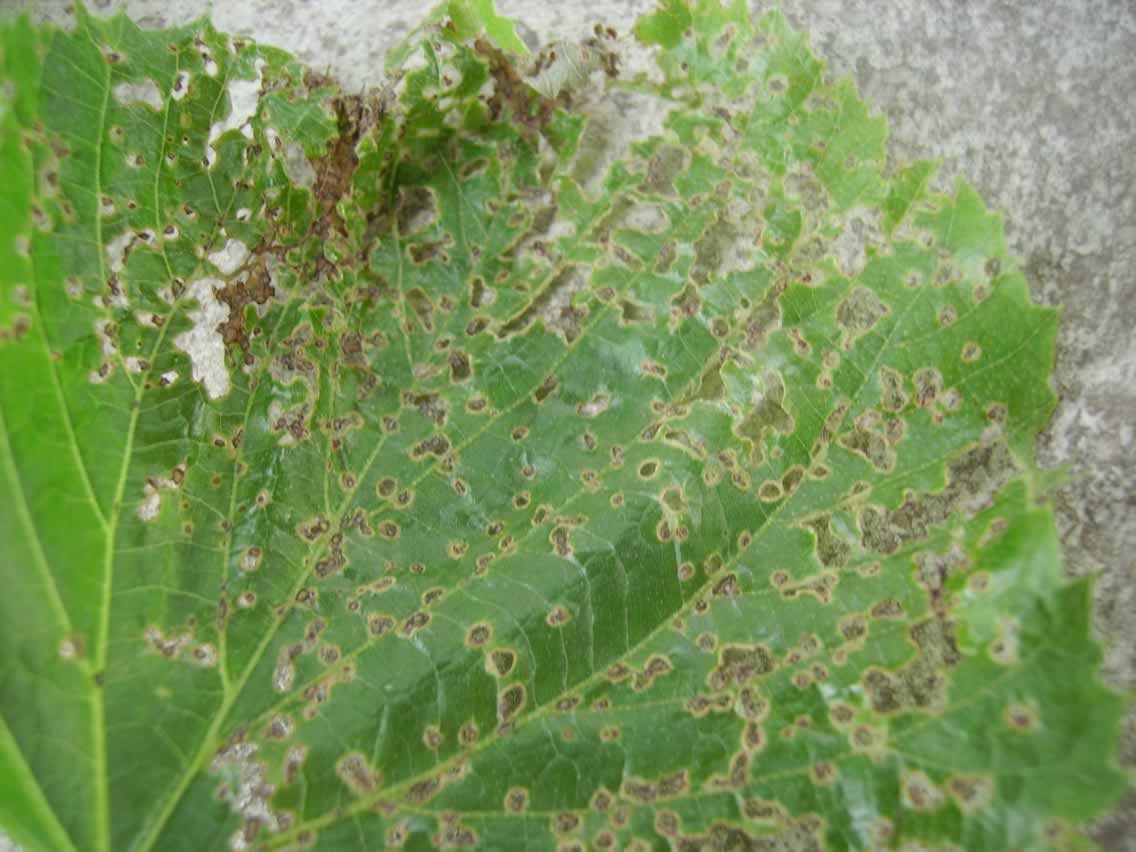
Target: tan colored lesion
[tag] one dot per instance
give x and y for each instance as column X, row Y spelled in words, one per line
column 726, row 587
column 917, row 685
column 870, row 740
column 168, row 646
column 205, row 655
column 560, row 538
column 740, row 663
column 858, row 314
column 973, row 478
column 452, row 834
column 1004, row 647
column 554, row 306
column 920, row 792
column 469, row 734
column 280, row 727
column 823, row 773
column 768, row 413
column 479, row 634
column 413, row 623
column 564, row 822
column 558, row 616
column 500, row 662
column 735, row 777
column 516, row 800
column 246, row 788
column 379, row 624
column 354, row 770
column 510, row 701
column 432, row 737
column 663, row 167
column 153, row 486
column 971, row 792
column 594, row 407
column 398, row 834
column 832, row 551
column 893, row 395
column 869, row 441
column 657, row 665
column 667, row 822
column 293, row 424
column 853, row 627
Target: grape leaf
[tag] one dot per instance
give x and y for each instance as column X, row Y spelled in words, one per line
column 455, row 466
column 665, row 26
column 469, row 17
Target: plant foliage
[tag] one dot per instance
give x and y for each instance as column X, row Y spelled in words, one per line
column 476, row 462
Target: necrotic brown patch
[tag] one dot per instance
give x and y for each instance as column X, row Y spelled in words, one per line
column 510, row 701
column 517, row 800
column 501, row 661
column 354, row 771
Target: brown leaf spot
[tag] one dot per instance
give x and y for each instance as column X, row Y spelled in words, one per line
column 500, row 661
column 971, row 792
column 564, row 823
column 517, row 800
column 919, row 791
column 478, row 635
column 1022, row 717
column 354, row 771
column 558, row 617
column 510, row 701
column 739, row 664
column 414, row 623
column 379, row 624
column 432, row 737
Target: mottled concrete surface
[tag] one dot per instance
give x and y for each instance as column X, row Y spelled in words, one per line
column 1034, row 101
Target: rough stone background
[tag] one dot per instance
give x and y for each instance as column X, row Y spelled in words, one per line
column 1034, row 101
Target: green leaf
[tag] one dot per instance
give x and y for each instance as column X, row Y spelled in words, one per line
column 471, row 17
column 453, row 466
column 666, row 26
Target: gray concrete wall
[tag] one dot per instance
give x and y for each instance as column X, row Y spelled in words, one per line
column 1032, row 99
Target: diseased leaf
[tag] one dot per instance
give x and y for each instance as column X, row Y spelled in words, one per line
column 667, row 25
column 470, row 17
column 567, row 66
column 454, row 466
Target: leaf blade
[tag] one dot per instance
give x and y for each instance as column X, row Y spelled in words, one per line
column 476, row 469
